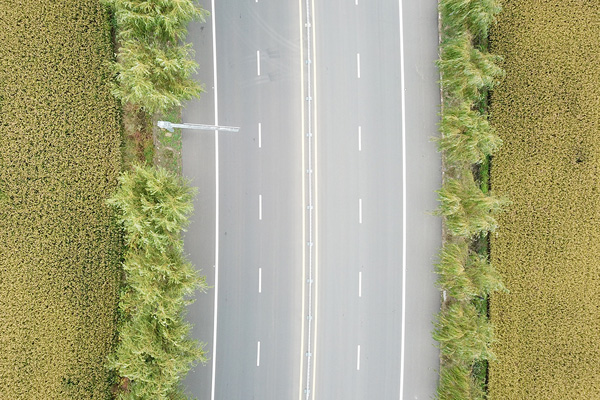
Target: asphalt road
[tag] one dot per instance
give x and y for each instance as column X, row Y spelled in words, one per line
column 359, row 189
column 260, row 218
column 360, row 199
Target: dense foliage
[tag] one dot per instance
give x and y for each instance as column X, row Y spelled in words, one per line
column 469, row 210
column 59, row 160
column 155, row 351
column 546, row 249
column 154, row 66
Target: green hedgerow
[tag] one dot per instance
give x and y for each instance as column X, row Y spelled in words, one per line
column 155, row 350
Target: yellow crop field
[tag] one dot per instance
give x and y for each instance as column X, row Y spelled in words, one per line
column 547, row 247
column 59, row 160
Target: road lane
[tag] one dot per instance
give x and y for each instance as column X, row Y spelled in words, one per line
column 423, row 176
column 258, row 50
column 359, row 81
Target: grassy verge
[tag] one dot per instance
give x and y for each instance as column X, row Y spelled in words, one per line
column 167, row 144
column 146, row 144
column 152, row 74
column 468, row 207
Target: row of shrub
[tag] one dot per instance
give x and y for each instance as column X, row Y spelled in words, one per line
column 547, row 112
column 467, row 140
column 59, row 160
column 154, row 66
column 155, row 351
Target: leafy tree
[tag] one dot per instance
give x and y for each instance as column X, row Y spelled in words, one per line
column 155, row 20
column 154, row 67
column 155, row 76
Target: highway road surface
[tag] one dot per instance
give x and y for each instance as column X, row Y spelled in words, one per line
column 313, row 222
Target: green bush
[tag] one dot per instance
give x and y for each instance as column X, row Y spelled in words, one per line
column 466, row 135
column 457, row 383
column 452, row 276
column 467, row 210
column 463, row 335
column 465, row 275
column 155, row 350
column 466, row 70
column 475, row 16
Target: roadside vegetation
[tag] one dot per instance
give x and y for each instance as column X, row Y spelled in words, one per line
column 153, row 74
column 469, row 209
column 155, row 351
column 60, row 158
column 152, row 77
column 546, row 113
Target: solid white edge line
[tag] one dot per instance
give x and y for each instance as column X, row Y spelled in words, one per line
column 403, row 100
column 359, row 138
column 260, row 280
column 316, row 199
column 358, row 64
column 258, row 354
column 259, row 135
column 358, row 358
column 303, row 180
column 258, row 62
column 260, row 206
column 214, row 353
column 360, row 284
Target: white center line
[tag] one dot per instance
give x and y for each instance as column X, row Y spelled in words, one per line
column 357, row 64
column 260, row 206
column 360, row 211
column 355, row 2
column 260, row 280
column 359, row 138
column 258, row 354
column 259, row 135
column 360, row 284
column 258, row 62
column 358, row 358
